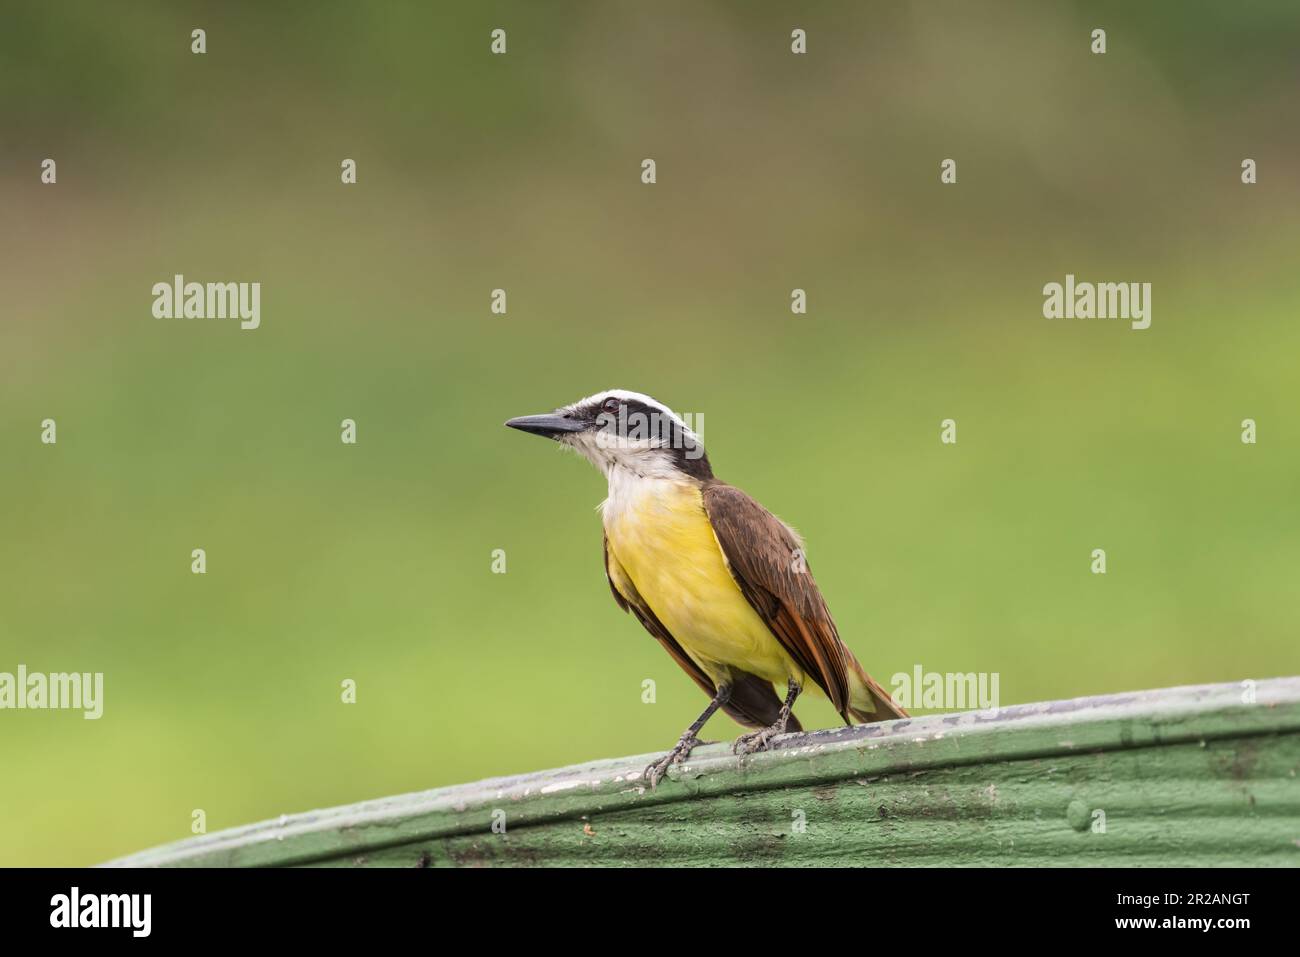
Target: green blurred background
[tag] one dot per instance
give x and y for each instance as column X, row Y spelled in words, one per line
column 521, row 171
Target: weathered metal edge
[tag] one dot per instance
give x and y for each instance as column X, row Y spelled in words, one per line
column 1135, row 719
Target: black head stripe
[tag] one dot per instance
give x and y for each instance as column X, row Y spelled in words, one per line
column 640, row 420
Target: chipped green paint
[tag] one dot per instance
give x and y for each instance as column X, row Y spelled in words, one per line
column 1178, row 776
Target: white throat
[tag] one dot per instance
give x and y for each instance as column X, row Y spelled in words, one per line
column 612, row 454
column 634, row 493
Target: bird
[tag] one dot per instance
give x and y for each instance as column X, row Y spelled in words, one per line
column 718, row 580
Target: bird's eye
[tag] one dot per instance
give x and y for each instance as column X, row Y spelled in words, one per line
column 610, row 406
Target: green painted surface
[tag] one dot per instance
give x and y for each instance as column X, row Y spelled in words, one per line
column 1199, row 775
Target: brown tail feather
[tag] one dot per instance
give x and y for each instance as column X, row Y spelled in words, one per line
column 868, row 700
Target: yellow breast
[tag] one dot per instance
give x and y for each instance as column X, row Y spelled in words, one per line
column 660, row 536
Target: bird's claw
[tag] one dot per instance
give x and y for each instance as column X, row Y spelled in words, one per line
column 655, row 773
column 760, row 740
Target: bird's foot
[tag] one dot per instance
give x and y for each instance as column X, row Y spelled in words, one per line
column 760, row 740
column 680, row 752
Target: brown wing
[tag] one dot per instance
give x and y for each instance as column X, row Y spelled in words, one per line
column 753, row 702
column 766, row 559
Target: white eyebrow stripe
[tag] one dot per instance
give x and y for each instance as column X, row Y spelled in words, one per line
column 626, row 395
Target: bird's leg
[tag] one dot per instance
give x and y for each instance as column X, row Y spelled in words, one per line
column 759, row 740
column 682, row 750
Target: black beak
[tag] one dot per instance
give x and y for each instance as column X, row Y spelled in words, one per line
column 550, row 426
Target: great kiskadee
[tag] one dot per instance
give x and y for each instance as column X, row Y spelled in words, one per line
column 721, row 582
